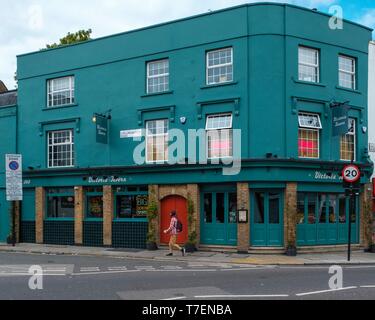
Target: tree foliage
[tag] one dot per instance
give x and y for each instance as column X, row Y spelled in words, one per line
column 71, row 38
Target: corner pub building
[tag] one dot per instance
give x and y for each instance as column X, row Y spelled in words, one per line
column 270, row 70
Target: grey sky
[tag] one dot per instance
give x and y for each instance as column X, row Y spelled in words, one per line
column 28, row 25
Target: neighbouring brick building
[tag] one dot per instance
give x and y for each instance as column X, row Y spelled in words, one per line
column 259, row 68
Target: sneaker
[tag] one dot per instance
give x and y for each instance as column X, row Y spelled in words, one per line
column 183, row 250
column 170, row 255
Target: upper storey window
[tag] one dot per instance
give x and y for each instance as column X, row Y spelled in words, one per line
column 309, row 135
column 308, row 64
column 60, row 92
column 220, row 66
column 347, row 72
column 158, row 76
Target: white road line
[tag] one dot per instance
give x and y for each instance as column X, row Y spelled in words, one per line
column 171, row 268
column 89, row 269
column 359, row 267
column 245, row 269
column 368, row 287
column 104, row 272
column 184, row 270
column 117, row 268
column 172, row 299
column 145, row 267
column 244, row 296
column 324, row 291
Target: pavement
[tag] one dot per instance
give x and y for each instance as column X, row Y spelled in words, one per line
column 358, row 257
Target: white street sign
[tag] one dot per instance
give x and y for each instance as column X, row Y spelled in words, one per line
column 13, row 169
column 137, row 133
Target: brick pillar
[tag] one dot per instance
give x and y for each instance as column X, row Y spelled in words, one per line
column 153, row 196
column 366, row 216
column 290, row 215
column 79, row 209
column 243, row 203
column 17, row 210
column 107, row 215
column 40, row 200
column 193, row 194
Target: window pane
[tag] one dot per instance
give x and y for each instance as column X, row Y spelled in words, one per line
column 308, row 60
column 60, row 148
column 308, row 143
column 60, row 207
column 220, row 212
column 220, row 66
column 274, row 208
column 342, row 208
column 95, row 207
column 208, row 208
column 131, row 206
column 60, row 91
column 332, row 208
column 259, row 208
column 158, row 76
column 301, row 208
column 323, row 209
column 311, row 208
column 232, row 217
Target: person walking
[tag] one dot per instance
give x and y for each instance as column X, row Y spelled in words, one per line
column 173, row 231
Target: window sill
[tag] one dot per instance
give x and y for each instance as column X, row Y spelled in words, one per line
column 233, row 83
column 60, row 107
column 157, row 94
column 349, row 90
column 317, row 84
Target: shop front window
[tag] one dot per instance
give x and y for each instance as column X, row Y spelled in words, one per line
column 220, row 208
column 131, row 206
column 208, row 207
column 342, row 208
column 60, row 203
column 232, row 208
column 94, row 200
column 259, row 208
column 301, row 208
column 323, row 209
column 274, row 208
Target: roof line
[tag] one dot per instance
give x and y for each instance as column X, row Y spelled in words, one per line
column 190, row 18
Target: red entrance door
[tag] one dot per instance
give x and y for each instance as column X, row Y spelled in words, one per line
column 169, row 204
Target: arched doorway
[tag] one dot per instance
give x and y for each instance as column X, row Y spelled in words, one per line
column 178, row 204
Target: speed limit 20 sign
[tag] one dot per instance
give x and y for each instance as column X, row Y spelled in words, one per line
column 351, row 174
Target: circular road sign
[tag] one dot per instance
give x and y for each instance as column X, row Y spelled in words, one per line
column 351, row 173
column 13, row 165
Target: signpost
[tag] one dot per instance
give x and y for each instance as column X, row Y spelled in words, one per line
column 351, row 175
column 13, row 170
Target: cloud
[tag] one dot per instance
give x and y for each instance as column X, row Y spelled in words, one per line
column 29, row 25
column 368, row 19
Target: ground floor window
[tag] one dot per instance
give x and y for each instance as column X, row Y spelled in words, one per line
column 94, row 201
column 323, row 218
column 131, row 202
column 60, row 203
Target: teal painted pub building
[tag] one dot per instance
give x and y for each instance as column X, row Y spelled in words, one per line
column 259, row 81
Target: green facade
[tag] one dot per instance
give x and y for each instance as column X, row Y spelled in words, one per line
column 265, row 99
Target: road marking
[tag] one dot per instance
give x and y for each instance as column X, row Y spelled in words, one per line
column 144, row 268
column 360, row 267
column 367, row 287
column 246, row 269
column 89, row 269
column 104, row 272
column 172, row 299
column 171, row 268
column 324, row 291
column 117, row 268
column 244, row 296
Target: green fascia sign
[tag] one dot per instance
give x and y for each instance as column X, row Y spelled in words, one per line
column 340, row 118
column 101, row 129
